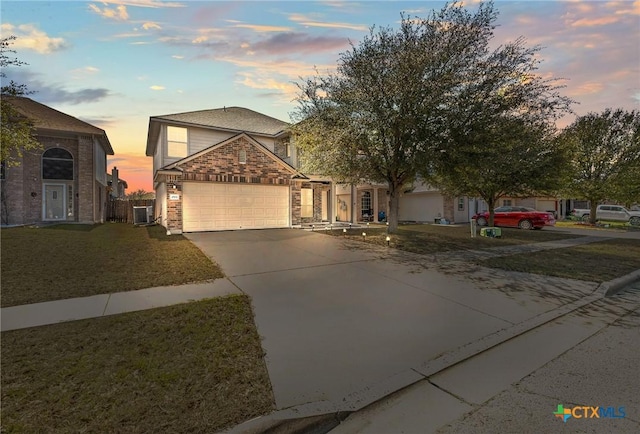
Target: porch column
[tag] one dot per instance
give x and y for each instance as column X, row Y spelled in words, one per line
column 375, row 204
column 333, row 208
column 354, row 197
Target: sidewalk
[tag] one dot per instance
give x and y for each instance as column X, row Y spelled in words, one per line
column 51, row 312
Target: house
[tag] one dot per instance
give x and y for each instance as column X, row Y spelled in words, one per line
column 230, row 168
column 117, row 189
column 66, row 180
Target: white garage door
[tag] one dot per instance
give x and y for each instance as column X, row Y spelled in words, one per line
column 421, row 207
column 216, row 207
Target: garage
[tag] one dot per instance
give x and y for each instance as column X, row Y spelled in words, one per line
column 220, row 206
column 421, row 207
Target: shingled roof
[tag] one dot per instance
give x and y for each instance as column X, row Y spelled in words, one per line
column 230, row 118
column 45, row 118
column 233, row 119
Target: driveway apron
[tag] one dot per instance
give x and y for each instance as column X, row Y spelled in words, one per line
column 337, row 318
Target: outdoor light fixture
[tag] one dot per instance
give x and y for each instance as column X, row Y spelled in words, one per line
column 388, row 239
column 313, row 228
column 344, row 231
column 364, row 235
column 367, row 224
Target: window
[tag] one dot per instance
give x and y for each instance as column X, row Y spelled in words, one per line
column 242, row 156
column 366, row 202
column 461, row 204
column 57, row 163
column 176, row 142
column 287, row 149
column 69, row 200
column 306, row 202
column 507, row 202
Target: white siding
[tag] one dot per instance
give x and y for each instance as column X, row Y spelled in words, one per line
column 201, row 138
column 157, row 157
column 161, row 204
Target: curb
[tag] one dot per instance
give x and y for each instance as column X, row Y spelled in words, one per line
column 614, row 286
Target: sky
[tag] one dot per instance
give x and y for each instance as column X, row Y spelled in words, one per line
column 115, row 63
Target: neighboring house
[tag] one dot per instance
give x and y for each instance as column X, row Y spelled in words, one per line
column 230, row 168
column 66, row 180
column 117, row 189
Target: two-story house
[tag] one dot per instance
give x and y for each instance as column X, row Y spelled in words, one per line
column 65, row 180
column 230, row 168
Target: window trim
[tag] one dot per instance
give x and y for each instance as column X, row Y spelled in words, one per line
column 242, row 156
column 185, row 143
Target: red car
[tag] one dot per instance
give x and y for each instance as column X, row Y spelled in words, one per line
column 517, row 217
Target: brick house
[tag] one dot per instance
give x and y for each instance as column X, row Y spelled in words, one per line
column 230, row 168
column 66, row 180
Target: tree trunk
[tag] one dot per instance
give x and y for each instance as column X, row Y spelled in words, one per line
column 394, row 209
column 592, row 211
column 492, row 204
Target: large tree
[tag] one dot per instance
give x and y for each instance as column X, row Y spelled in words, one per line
column 606, row 161
column 380, row 115
column 16, row 131
column 500, row 129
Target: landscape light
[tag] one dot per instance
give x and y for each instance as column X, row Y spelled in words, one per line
column 388, row 239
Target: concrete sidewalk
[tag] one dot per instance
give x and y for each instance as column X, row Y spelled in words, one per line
column 51, row 312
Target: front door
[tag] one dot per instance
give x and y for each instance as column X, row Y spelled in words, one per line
column 54, row 202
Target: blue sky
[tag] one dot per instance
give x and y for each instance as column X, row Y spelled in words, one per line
column 115, row 63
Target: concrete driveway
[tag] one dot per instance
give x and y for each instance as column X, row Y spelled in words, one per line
column 344, row 324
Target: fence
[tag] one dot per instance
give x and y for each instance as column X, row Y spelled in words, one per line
column 122, row 210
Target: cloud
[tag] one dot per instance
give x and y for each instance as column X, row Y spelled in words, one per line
column 156, row 87
column 310, row 22
column 146, row 3
column 287, row 68
column 80, row 73
column 119, row 13
column 151, row 25
column 176, row 56
column 28, row 36
column 47, row 93
column 594, row 22
column 261, row 28
column 286, row 43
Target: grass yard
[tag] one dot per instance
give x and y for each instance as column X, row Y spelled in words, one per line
column 195, row 367
column 66, row 261
column 426, row 239
column 597, row 262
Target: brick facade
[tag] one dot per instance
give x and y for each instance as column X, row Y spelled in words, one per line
column 23, row 186
column 222, row 164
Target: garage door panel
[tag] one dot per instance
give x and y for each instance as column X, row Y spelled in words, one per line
column 211, row 206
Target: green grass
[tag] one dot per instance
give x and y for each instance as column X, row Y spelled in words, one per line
column 65, row 261
column 597, row 262
column 427, row 239
column 195, row 367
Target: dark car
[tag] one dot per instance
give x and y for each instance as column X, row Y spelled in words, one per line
column 517, row 217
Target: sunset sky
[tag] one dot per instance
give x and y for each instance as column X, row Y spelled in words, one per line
column 115, row 63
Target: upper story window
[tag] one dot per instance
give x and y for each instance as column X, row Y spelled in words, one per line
column 176, row 142
column 287, row 148
column 242, row 156
column 57, row 163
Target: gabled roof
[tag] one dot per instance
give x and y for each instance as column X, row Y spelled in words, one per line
column 45, row 118
column 232, row 119
column 254, row 142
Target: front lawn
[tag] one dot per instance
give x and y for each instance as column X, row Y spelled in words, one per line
column 195, row 367
column 596, row 262
column 427, row 239
column 66, row 261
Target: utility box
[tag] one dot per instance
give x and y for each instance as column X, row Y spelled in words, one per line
column 491, row 232
column 142, row 215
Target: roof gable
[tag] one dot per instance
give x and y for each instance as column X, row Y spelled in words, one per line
column 46, row 118
column 233, row 119
column 249, row 139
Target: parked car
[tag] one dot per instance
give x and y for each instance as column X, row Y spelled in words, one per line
column 613, row 213
column 517, row 217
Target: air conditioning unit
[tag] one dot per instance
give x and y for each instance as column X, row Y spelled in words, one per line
column 142, row 215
